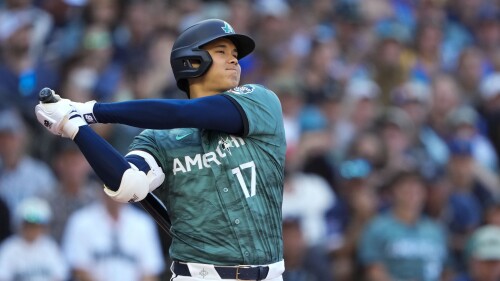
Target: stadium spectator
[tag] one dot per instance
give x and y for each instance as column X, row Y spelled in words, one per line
column 126, row 247
column 357, row 202
column 464, row 122
column 21, row 175
column 76, row 188
column 483, row 255
column 490, row 107
column 299, row 190
column 325, row 50
column 401, row 244
column 31, row 253
column 23, row 72
column 469, row 198
column 303, row 262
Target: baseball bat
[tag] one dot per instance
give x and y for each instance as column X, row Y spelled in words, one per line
column 151, row 203
column 46, row 95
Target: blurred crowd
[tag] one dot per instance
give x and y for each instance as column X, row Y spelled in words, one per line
column 392, row 119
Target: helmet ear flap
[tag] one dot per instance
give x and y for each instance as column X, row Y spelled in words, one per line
column 182, row 64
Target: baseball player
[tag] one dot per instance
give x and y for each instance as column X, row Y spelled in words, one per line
column 216, row 160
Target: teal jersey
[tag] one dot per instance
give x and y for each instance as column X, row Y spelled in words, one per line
column 224, row 192
column 409, row 252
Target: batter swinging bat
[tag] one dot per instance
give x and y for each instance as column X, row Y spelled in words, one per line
column 151, row 203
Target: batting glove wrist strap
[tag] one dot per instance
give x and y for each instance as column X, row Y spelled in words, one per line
column 71, row 127
column 86, row 110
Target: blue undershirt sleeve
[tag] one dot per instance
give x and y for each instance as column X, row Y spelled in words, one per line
column 139, row 162
column 107, row 162
column 213, row 113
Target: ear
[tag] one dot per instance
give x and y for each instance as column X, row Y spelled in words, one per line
column 193, row 63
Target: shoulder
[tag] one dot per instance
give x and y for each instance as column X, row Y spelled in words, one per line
column 255, row 96
column 37, row 166
column 10, row 245
column 247, row 89
column 36, row 171
column 381, row 222
column 261, row 110
column 149, row 138
column 433, row 225
column 251, row 91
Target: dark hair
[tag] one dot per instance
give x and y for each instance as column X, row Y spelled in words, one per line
column 402, row 176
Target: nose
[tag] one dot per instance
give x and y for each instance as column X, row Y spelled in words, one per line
column 233, row 60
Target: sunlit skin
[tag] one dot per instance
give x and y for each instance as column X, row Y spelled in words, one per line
column 11, row 149
column 409, row 198
column 31, row 231
column 223, row 74
column 485, row 270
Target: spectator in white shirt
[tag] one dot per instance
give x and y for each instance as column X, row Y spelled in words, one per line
column 109, row 241
column 31, row 254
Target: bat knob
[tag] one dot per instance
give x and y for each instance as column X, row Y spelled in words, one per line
column 46, row 95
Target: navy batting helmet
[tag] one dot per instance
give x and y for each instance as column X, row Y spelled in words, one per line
column 188, row 47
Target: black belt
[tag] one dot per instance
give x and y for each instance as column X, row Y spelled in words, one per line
column 241, row 272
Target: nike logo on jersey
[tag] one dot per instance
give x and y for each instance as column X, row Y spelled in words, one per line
column 180, row 137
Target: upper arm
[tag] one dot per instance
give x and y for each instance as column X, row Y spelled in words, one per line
column 261, row 112
column 242, row 114
column 217, row 113
column 212, row 113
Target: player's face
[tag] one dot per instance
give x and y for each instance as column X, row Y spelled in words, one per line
column 224, row 73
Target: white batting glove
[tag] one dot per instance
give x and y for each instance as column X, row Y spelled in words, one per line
column 60, row 118
column 86, row 110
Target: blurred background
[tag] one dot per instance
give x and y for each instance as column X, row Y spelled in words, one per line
column 392, row 120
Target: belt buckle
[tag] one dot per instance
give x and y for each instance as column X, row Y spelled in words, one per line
column 238, row 271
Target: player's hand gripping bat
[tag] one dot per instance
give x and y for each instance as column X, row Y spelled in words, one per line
column 151, row 203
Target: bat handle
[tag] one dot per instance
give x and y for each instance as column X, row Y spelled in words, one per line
column 46, row 95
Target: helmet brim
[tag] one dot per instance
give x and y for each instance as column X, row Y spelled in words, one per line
column 244, row 44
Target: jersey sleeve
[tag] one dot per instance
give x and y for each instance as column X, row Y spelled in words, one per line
column 146, row 141
column 260, row 109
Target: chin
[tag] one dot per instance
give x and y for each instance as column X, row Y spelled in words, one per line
column 232, row 84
